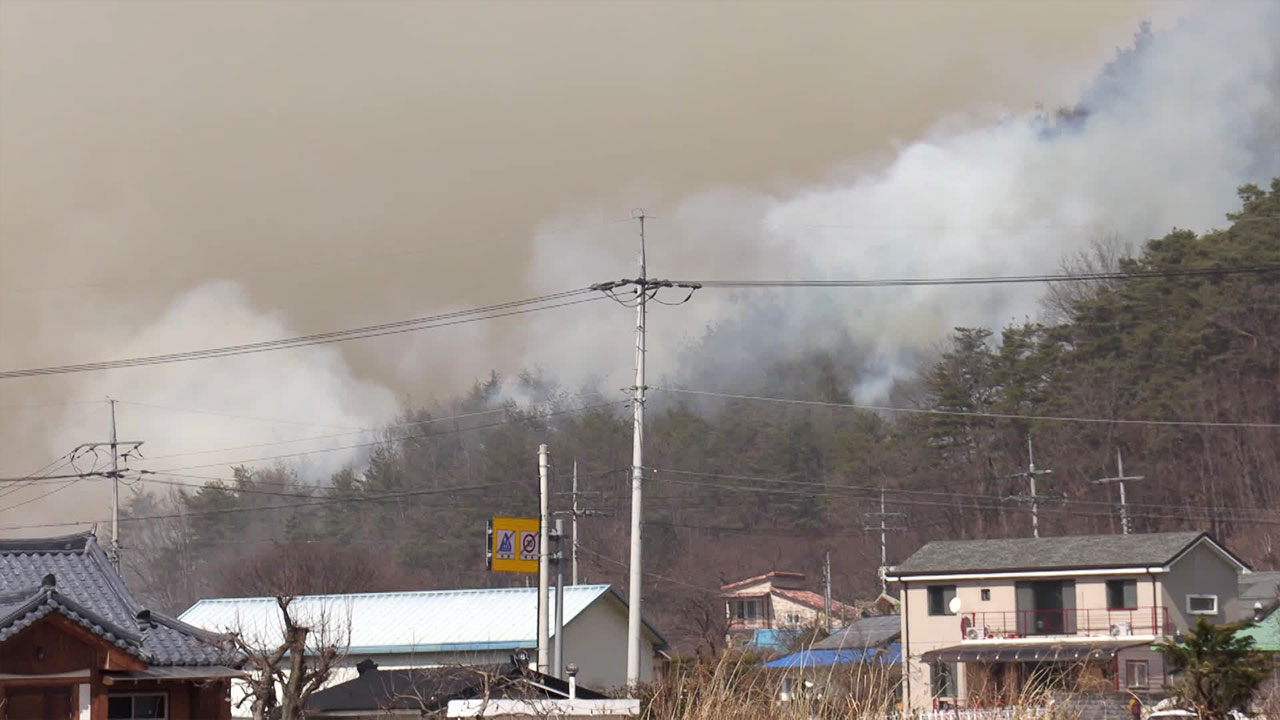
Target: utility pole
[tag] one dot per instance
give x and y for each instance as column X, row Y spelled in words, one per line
column 544, row 568
column 115, row 445
column 1121, row 478
column 645, row 289
column 826, row 588
column 884, row 539
column 558, row 655
column 574, row 520
column 637, row 477
column 115, row 491
column 1031, row 474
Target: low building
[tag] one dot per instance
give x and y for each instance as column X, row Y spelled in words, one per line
column 1259, row 592
column 760, row 606
column 429, row 692
column 446, row 627
column 984, row 619
column 75, row 643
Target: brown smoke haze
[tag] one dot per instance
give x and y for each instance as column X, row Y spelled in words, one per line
column 313, row 166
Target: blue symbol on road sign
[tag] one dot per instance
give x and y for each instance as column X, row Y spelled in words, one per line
column 505, row 543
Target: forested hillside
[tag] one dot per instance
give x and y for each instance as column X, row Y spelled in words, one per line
column 1176, row 368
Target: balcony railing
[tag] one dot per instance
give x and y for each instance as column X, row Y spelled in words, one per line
column 1086, row 622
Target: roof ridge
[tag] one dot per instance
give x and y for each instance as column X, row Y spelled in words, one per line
column 393, row 593
column 73, row 543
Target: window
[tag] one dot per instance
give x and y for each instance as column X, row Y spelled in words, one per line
column 1122, row 594
column 940, row 597
column 140, row 706
column 745, row 610
column 942, row 679
column 1202, row 604
column 986, row 594
column 793, row 618
column 1135, row 673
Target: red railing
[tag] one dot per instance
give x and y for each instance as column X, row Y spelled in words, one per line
column 1039, row 623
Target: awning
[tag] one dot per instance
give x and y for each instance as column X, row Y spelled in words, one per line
column 177, row 672
column 1029, row 652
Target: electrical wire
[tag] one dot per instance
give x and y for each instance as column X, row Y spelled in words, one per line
column 974, row 413
column 988, row 279
column 490, row 312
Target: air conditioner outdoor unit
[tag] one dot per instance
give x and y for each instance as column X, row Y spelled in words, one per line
column 975, row 633
column 1121, row 629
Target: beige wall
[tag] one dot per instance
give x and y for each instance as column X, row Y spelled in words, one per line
column 596, row 641
column 784, row 606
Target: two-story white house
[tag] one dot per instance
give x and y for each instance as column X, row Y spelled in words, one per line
column 981, row 619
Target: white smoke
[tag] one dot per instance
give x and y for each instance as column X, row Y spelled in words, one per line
column 1169, row 129
column 245, row 407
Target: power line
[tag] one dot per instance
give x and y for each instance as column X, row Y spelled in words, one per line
column 260, row 508
column 974, row 413
column 988, row 279
column 490, row 312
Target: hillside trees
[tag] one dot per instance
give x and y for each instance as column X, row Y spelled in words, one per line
column 736, row 486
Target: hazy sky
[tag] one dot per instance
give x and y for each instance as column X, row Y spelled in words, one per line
column 335, row 164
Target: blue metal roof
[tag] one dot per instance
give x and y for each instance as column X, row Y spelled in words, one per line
column 402, row 622
column 825, row 658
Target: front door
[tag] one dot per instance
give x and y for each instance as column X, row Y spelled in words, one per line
column 48, row 702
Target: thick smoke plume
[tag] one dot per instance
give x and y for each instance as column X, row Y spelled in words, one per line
column 1159, row 140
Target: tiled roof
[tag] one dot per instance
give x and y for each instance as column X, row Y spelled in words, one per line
column 1070, row 552
column 420, row 621
column 1261, row 587
column 812, row 599
column 774, row 575
column 431, row 689
column 868, row 632
column 72, row 576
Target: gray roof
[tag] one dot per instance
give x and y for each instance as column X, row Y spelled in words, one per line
column 1263, row 587
column 1048, row 553
column 72, row 576
column 868, row 632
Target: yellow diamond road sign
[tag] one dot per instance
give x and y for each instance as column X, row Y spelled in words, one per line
column 513, row 544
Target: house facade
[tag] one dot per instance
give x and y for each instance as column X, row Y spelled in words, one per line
column 777, row 601
column 983, row 620
column 76, row 645
column 483, row 627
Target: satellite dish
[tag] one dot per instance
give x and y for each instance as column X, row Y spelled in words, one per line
column 954, row 605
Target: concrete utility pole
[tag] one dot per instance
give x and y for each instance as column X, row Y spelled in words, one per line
column 115, row 491
column 884, row 540
column 826, row 588
column 1121, row 478
column 574, row 546
column 637, row 477
column 544, row 568
column 645, row 289
column 1031, row 474
column 558, row 660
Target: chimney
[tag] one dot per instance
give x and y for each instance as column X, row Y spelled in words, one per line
column 573, row 681
column 365, row 666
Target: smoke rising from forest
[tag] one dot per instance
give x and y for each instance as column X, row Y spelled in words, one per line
column 1164, row 133
column 1156, row 141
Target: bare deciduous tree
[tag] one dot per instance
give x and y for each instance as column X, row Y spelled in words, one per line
column 284, row 674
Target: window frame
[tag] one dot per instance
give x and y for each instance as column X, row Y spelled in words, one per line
column 946, row 601
column 1124, row 584
column 1129, row 666
column 132, row 711
column 943, row 679
column 746, row 609
column 985, row 595
column 1201, row 596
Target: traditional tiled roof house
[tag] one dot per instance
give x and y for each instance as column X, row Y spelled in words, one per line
column 76, row 645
